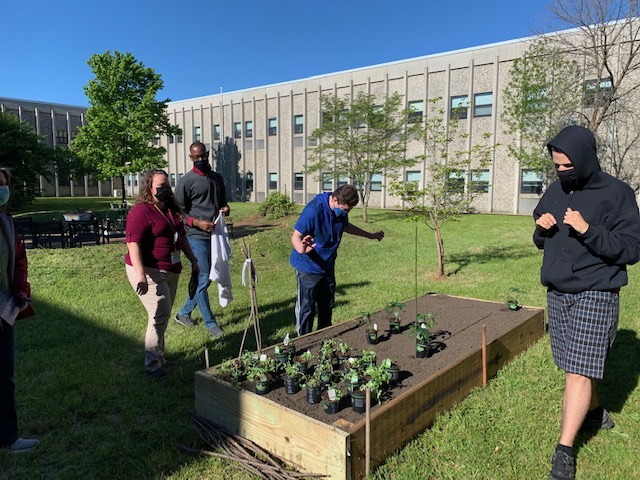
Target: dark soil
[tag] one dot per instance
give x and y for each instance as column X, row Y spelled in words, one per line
column 457, row 334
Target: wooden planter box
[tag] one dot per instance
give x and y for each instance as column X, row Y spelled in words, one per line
column 337, row 450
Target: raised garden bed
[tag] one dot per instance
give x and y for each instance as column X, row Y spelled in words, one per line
column 334, row 445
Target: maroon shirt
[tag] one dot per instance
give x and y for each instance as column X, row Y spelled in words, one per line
column 154, row 231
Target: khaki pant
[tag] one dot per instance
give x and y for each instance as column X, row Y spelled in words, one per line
column 158, row 302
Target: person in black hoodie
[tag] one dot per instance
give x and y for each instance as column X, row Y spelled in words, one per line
column 588, row 225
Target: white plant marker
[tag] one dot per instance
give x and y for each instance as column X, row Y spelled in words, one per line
column 331, row 393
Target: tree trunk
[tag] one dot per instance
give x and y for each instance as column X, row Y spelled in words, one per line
column 440, row 246
column 124, row 190
column 364, row 212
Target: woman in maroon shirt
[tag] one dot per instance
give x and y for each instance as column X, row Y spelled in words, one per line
column 155, row 237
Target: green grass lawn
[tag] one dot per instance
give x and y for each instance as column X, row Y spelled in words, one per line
column 81, row 387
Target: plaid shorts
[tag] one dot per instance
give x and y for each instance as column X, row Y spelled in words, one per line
column 582, row 327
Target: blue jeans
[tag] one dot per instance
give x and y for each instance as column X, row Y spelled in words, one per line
column 8, row 417
column 314, row 289
column 202, row 250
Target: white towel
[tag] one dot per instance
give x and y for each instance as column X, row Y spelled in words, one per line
column 220, row 255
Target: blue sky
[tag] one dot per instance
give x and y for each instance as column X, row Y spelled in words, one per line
column 199, row 47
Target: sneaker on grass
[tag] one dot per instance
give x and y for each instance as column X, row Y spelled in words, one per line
column 158, row 373
column 563, row 466
column 184, row 320
column 22, row 445
column 216, row 331
column 597, row 420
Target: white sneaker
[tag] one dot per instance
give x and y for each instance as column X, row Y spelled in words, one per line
column 23, row 445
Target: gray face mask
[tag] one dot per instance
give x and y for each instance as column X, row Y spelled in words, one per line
column 568, row 178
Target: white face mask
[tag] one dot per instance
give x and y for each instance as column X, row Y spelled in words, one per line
column 4, row 195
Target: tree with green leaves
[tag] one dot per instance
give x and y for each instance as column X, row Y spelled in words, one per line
column 452, row 183
column 542, row 97
column 587, row 76
column 123, row 118
column 359, row 139
column 26, row 157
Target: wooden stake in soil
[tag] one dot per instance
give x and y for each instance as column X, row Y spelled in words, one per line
column 206, row 357
column 254, row 318
column 484, row 355
column 367, row 433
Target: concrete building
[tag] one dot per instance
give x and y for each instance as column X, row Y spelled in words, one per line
column 271, row 125
column 57, row 125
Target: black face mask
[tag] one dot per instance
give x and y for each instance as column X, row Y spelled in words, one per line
column 163, row 193
column 203, row 166
column 568, row 178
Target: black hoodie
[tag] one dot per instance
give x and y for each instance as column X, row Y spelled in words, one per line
column 597, row 259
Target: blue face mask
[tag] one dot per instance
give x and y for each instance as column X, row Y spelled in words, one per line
column 339, row 212
column 4, row 195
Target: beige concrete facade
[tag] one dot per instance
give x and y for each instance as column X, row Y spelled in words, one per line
column 57, row 125
column 482, row 70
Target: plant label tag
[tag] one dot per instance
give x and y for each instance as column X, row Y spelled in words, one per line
column 286, row 340
column 263, row 357
column 331, row 393
column 375, row 327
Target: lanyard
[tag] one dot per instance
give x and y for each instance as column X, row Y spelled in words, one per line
column 169, row 221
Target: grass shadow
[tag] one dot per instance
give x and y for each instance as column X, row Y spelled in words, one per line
column 487, row 255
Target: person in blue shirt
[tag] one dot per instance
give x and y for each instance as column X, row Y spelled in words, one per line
column 316, row 238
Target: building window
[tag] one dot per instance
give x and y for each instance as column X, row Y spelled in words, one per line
column 455, row 181
column 197, row 134
column 170, row 138
column 531, row 181
column 62, row 137
column 376, row 182
column 416, row 109
column 273, row 181
column 480, row 181
column 413, row 176
column 597, row 93
column 273, row 127
column 248, row 129
column 172, row 179
column 216, row 132
column 237, row 129
column 298, row 124
column 327, row 182
column 482, row 104
column 342, row 181
column 156, row 139
column 178, row 138
column 298, row 181
column 459, row 107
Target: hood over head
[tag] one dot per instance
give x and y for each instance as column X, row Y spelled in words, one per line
column 579, row 144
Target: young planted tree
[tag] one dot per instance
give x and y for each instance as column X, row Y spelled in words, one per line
column 359, row 139
column 541, row 98
column 123, row 118
column 451, row 185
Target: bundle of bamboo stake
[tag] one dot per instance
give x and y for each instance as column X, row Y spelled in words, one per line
column 244, row 452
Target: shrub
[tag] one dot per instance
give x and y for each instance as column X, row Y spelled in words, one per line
column 276, row 205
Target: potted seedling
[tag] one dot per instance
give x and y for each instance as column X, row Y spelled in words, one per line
column 313, row 386
column 289, row 347
column 282, row 356
column 422, row 327
column 394, row 309
column 512, row 300
column 392, row 369
column 377, row 378
column 367, row 358
column 303, row 361
column 331, row 399
column 324, row 371
column 328, row 352
column 261, row 373
column 372, row 328
column 231, row 370
column 291, row 379
column 344, row 352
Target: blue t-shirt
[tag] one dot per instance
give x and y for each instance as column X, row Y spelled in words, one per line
column 318, row 220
